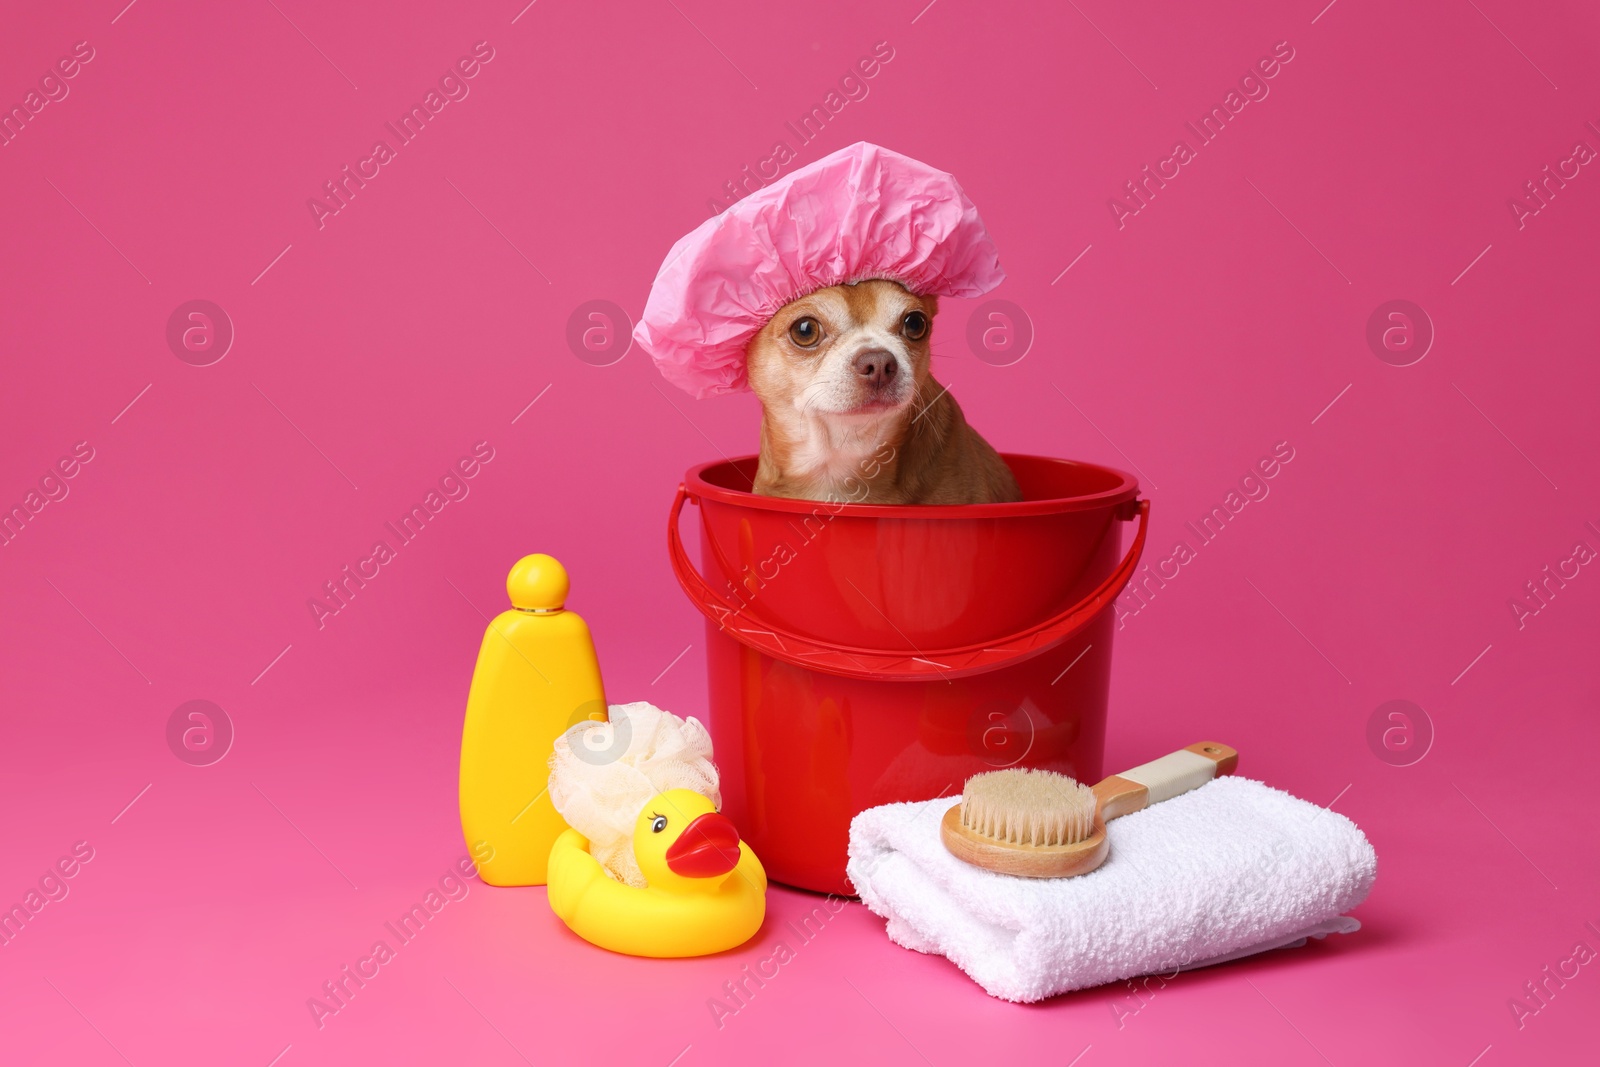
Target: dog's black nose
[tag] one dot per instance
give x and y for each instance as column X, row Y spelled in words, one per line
column 878, row 366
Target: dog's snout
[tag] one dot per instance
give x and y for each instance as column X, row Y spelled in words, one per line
column 877, row 367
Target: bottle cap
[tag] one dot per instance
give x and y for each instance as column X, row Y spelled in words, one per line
column 538, row 583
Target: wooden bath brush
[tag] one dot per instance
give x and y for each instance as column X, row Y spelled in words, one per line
column 1039, row 824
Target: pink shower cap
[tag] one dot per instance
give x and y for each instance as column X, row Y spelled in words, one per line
column 862, row 212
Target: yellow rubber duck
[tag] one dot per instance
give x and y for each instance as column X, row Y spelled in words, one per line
column 707, row 892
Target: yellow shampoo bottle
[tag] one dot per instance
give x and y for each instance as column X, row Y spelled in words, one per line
column 537, row 675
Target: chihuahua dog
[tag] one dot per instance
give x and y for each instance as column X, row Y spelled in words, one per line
column 850, row 409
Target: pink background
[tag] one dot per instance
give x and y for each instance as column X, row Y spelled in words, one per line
column 373, row 352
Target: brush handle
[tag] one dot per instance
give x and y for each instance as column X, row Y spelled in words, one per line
column 1162, row 779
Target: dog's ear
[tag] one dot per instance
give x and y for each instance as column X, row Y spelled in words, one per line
column 932, row 303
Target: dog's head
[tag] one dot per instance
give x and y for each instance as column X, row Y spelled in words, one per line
column 847, row 352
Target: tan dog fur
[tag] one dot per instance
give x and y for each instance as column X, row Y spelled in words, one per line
column 837, row 416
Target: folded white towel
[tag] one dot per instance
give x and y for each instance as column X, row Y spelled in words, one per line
column 1232, row 868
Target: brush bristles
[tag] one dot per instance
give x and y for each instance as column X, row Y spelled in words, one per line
column 1028, row 807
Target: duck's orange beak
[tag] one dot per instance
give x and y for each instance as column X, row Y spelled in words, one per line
column 708, row 846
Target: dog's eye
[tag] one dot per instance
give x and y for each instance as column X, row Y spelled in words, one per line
column 805, row 332
column 914, row 326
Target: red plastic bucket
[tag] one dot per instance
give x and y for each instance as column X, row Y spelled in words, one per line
column 863, row 654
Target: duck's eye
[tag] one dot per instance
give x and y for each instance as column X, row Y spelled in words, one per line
column 805, row 332
column 658, row 824
column 914, row 326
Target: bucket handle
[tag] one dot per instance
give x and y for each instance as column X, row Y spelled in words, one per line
column 890, row 665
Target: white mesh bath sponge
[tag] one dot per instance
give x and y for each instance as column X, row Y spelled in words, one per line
column 603, row 773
